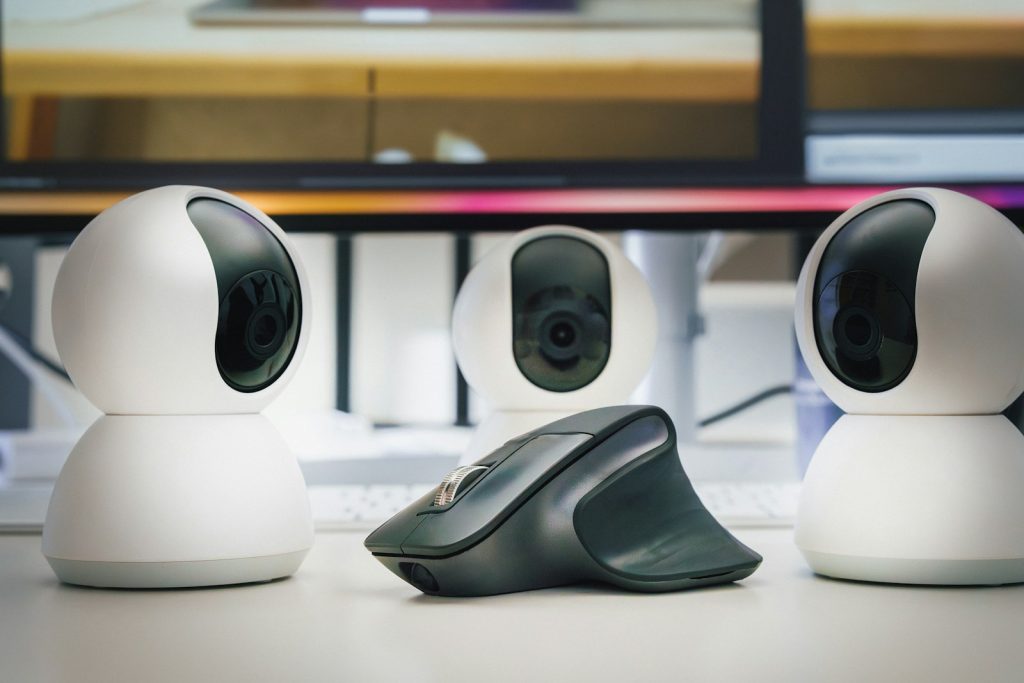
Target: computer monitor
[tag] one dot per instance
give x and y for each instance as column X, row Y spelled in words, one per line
column 144, row 96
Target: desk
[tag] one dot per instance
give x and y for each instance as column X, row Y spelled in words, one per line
column 345, row 618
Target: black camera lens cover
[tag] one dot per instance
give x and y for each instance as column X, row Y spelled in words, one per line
column 864, row 314
column 562, row 338
column 260, row 314
column 257, row 329
column 561, row 312
column 872, row 339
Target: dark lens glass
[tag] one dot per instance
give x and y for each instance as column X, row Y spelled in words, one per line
column 258, row 330
column 264, row 330
column 858, row 329
column 866, row 330
column 562, row 339
column 562, row 334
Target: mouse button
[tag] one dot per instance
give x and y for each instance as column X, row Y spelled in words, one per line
column 603, row 421
column 388, row 537
column 646, row 522
column 456, row 483
column 502, row 452
column 532, row 460
column 460, row 480
column 493, row 496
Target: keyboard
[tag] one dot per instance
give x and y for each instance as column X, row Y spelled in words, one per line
column 751, row 504
column 736, row 504
column 362, row 507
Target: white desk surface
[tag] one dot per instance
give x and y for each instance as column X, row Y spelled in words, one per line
column 345, row 618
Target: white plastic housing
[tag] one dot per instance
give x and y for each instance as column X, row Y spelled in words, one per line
column 482, row 331
column 179, row 500
column 135, row 310
column 969, row 316
column 932, row 499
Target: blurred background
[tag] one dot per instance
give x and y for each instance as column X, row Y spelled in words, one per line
column 374, row 131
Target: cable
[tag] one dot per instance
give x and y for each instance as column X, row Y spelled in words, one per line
column 37, row 356
column 745, row 404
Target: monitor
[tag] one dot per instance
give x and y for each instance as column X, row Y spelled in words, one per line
column 145, row 95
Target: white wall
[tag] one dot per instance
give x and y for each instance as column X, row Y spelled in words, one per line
column 402, row 366
column 748, row 346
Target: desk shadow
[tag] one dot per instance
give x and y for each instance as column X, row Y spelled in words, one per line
column 916, row 586
column 592, row 588
column 54, row 581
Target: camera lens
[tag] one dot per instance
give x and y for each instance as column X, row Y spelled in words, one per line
column 258, row 330
column 265, row 331
column 560, row 336
column 858, row 329
column 857, row 333
column 562, row 339
column 865, row 330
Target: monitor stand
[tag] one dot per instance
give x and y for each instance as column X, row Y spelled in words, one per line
column 669, row 262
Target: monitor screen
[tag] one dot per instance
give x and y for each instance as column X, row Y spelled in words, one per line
column 649, row 92
column 901, row 92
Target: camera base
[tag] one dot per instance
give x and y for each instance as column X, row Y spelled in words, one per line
column 176, row 574
column 178, row 501
column 917, row 500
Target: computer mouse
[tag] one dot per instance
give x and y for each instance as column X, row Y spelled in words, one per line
column 598, row 496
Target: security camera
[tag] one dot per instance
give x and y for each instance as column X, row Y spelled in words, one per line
column 180, row 300
column 909, row 317
column 180, row 312
column 553, row 321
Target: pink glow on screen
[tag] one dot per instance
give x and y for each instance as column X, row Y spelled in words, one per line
column 690, row 200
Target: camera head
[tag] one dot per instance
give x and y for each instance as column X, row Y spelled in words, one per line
column 553, row 319
column 910, row 303
column 181, row 300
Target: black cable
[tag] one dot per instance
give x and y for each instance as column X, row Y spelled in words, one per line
column 747, row 403
column 26, row 346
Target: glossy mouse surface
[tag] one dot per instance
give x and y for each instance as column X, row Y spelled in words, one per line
column 598, row 496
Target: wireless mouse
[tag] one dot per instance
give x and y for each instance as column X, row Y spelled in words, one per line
column 598, row 496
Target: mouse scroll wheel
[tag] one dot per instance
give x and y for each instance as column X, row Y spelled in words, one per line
column 460, row 476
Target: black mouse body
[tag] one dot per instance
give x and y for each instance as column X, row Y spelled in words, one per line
column 598, row 496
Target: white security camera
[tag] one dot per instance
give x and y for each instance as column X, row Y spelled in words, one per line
column 553, row 321
column 180, row 312
column 909, row 317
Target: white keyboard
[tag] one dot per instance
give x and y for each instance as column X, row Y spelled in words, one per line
column 737, row 504
column 355, row 506
column 364, row 507
column 746, row 504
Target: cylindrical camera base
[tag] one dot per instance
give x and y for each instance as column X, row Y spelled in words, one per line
column 916, row 500
column 176, row 501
